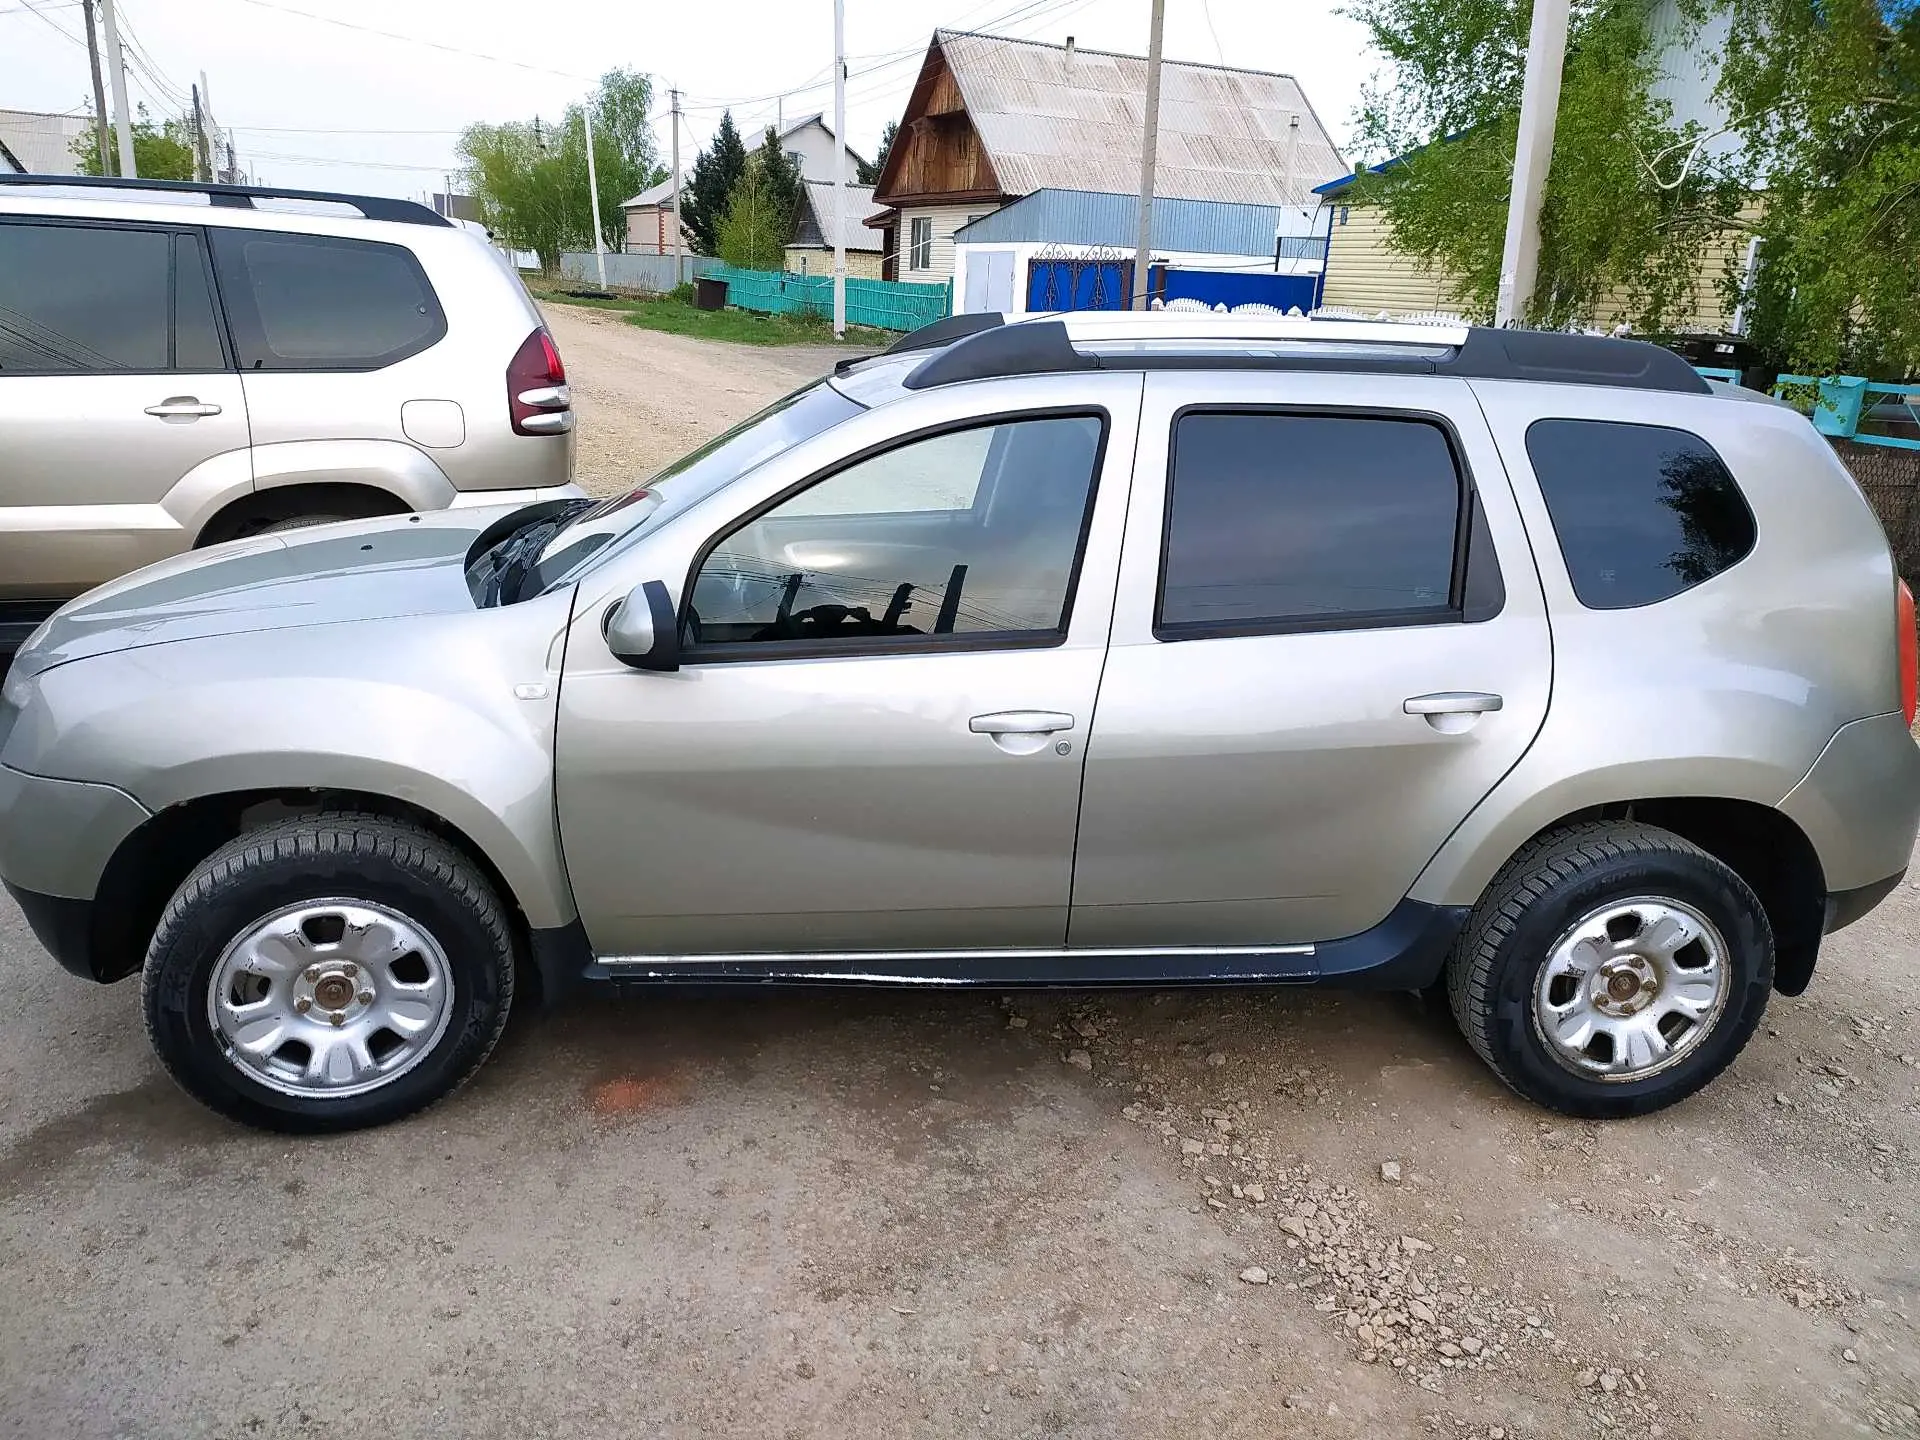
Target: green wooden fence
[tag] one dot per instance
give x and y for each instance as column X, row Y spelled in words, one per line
column 884, row 304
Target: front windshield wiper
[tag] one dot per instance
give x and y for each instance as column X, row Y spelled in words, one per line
column 512, row 558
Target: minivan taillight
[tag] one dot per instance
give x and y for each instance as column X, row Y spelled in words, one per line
column 538, row 398
column 1909, row 655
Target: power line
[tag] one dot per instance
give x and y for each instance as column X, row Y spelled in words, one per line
column 416, row 40
column 58, row 28
column 321, row 130
column 344, row 160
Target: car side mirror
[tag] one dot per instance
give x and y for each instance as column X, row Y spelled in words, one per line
column 643, row 631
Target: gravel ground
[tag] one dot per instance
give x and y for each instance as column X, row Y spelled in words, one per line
column 1232, row 1213
column 645, row 398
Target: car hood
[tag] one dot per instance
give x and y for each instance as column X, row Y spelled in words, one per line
column 363, row 570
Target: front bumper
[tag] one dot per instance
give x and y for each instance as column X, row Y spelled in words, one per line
column 64, row 927
column 56, row 837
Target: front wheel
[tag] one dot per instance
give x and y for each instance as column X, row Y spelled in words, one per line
column 1611, row 969
column 328, row 972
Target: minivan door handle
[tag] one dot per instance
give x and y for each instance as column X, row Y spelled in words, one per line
column 1453, row 702
column 1022, row 732
column 1453, row 712
column 1020, row 722
column 182, row 407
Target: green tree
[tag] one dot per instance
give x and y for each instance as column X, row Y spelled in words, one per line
column 710, row 185
column 760, row 215
column 1826, row 95
column 162, row 150
column 870, row 170
column 1633, row 203
column 531, row 181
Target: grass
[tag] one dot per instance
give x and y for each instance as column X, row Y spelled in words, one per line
column 675, row 316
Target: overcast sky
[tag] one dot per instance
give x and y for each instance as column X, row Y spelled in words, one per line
column 317, row 98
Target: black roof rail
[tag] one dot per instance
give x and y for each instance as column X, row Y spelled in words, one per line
column 945, row 332
column 372, row 207
column 1035, row 347
column 1042, row 347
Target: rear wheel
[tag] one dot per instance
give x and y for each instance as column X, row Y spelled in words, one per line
column 328, row 972
column 1611, row 970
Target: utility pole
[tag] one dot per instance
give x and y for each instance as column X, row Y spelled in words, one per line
column 202, row 161
column 117, row 74
column 1532, row 154
column 840, row 167
column 99, row 93
column 1149, row 140
column 593, row 193
column 677, row 242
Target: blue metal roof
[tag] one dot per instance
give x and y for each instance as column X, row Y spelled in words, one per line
column 1334, row 187
column 1089, row 217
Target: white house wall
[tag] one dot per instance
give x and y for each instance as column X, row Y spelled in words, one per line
column 1025, row 253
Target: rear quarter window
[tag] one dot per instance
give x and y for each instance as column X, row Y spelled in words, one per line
column 324, row 302
column 1641, row 512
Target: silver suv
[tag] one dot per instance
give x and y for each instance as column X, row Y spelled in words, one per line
column 1125, row 650
column 186, row 364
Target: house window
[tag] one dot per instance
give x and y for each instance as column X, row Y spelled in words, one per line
column 920, row 243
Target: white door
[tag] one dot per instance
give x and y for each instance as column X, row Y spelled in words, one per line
column 989, row 282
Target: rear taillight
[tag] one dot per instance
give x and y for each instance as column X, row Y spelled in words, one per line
column 1909, row 655
column 538, row 398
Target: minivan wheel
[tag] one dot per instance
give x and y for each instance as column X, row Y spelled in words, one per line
column 1611, row 969
column 328, row 972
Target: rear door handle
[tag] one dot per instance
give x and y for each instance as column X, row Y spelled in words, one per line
column 1020, row 722
column 182, row 407
column 1453, row 702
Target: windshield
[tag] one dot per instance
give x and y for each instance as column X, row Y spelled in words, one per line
column 813, row 408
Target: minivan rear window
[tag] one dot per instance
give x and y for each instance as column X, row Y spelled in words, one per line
column 324, row 302
column 1642, row 512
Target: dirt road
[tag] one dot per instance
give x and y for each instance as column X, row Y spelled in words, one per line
column 645, row 398
column 911, row 1214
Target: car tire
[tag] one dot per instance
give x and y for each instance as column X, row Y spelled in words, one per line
column 1586, row 931
column 378, row 950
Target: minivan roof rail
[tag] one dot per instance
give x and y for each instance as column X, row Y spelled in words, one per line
column 373, row 207
column 1159, row 340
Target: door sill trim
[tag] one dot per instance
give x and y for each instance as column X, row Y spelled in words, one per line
column 1405, row 951
column 889, row 958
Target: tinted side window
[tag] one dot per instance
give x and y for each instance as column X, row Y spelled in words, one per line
column 969, row 533
column 1307, row 521
column 83, row 299
column 1642, row 512
column 196, row 327
column 319, row 302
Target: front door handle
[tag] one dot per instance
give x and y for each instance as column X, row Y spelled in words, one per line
column 182, row 407
column 1020, row 722
column 1453, row 712
column 1453, row 702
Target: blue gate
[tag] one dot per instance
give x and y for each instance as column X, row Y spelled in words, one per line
column 1233, row 288
column 1079, row 284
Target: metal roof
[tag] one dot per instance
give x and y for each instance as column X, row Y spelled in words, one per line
column 1055, row 118
column 816, row 228
column 1079, row 217
column 661, row 194
column 41, row 142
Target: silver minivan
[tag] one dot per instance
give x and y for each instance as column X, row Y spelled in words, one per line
column 186, row 364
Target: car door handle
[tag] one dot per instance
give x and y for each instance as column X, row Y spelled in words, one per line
column 1453, row 702
column 1020, row 722
column 187, row 407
